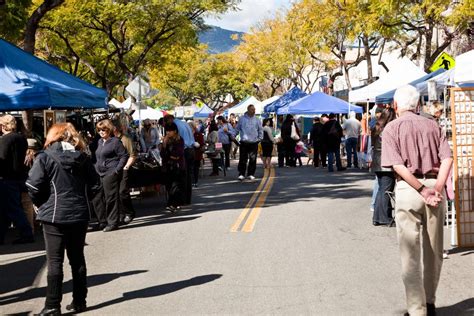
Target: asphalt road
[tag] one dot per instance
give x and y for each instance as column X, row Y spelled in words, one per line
column 311, row 250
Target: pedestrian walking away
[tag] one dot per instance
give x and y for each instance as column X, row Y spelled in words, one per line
column 251, row 133
column 317, row 141
column 385, row 177
column 352, row 130
column 267, row 142
column 60, row 183
column 226, row 134
column 418, row 152
column 332, row 133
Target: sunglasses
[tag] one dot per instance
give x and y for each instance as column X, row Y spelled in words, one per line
column 102, row 130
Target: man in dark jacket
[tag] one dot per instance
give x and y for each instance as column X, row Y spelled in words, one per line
column 316, row 138
column 13, row 148
column 332, row 132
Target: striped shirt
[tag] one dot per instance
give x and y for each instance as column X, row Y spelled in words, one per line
column 415, row 142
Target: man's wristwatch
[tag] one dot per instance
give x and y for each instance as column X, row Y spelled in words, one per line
column 420, row 188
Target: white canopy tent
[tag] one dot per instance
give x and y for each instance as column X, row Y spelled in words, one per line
column 241, row 108
column 464, row 68
column 442, row 80
column 269, row 100
column 404, row 72
column 148, row 113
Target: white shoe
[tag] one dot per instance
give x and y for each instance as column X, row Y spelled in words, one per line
column 251, row 178
column 372, row 209
column 241, row 178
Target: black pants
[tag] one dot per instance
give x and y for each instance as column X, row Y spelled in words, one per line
column 188, row 178
column 60, row 237
column 197, row 165
column 227, row 148
column 281, row 155
column 106, row 202
column 298, row 159
column 290, row 157
column 175, row 186
column 383, row 206
column 319, row 155
column 248, row 153
column 125, row 206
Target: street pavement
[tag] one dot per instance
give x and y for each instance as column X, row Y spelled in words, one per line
column 311, row 250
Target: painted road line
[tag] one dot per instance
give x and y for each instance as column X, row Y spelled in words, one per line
column 249, row 205
column 253, row 217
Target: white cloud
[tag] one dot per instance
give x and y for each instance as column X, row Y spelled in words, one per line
column 251, row 12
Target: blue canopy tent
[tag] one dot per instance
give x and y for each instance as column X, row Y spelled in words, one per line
column 387, row 97
column 203, row 112
column 293, row 94
column 29, row 83
column 318, row 103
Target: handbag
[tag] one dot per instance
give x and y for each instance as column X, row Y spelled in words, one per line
column 294, row 134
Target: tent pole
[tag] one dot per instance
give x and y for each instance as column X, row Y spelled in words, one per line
column 139, row 102
column 367, row 115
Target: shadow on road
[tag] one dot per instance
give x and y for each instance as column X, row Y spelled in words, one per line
column 465, row 307
column 92, row 280
column 18, row 274
column 463, row 251
column 158, row 290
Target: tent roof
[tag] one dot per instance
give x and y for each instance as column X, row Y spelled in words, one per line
column 404, row 72
column 148, row 113
column 241, row 108
column 291, row 95
column 465, row 68
column 28, row 82
column 203, row 112
column 318, row 103
column 387, row 97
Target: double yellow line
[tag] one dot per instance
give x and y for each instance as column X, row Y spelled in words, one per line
column 247, row 219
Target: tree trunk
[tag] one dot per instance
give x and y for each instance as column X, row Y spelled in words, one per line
column 428, row 40
column 368, row 58
column 29, row 43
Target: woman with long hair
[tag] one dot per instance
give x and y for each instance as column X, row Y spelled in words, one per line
column 60, row 183
column 290, row 135
column 213, row 152
column 385, row 176
column 267, row 143
column 174, row 166
column 111, row 157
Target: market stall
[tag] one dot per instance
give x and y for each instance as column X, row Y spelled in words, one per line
column 29, row 83
column 318, row 103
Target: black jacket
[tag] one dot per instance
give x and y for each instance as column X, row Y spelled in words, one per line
column 61, row 184
column 13, row 148
column 110, row 156
column 316, row 135
column 332, row 134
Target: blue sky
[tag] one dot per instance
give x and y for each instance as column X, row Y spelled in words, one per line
column 250, row 13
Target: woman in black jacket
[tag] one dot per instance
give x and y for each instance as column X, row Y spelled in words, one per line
column 59, row 184
column 289, row 142
column 110, row 158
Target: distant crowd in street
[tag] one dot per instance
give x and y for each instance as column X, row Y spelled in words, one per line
column 71, row 179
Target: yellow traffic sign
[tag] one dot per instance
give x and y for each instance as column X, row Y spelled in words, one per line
column 444, row 60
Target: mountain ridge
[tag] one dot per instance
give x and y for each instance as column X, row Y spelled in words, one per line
column 219, row 40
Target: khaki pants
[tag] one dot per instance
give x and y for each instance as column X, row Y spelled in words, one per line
column 420, row 280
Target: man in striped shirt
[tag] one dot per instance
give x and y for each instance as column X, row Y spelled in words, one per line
column 421, row 157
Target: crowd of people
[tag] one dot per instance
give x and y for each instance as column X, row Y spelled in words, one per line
column 71, row 180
